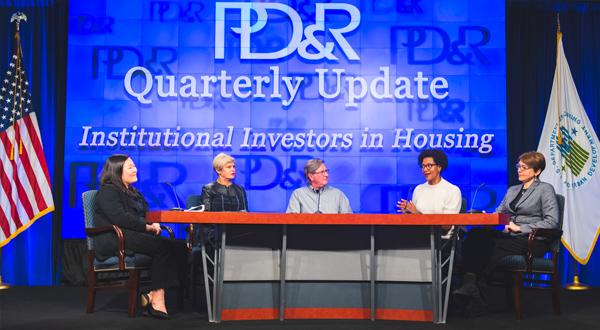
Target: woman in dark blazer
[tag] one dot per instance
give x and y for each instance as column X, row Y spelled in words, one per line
column 222, row 195
column 530, row 205
column 118, row 203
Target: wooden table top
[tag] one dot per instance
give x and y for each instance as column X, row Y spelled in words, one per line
column 326, row 219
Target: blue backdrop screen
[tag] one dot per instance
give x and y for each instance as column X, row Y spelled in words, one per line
column 363, row 85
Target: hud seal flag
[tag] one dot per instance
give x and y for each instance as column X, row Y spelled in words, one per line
column 574, row 159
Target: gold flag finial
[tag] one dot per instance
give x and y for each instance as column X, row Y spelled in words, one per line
column 18, row 16
column 558, row 21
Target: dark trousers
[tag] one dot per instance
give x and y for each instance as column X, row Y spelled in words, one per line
column 483, row 248
column 169, row 257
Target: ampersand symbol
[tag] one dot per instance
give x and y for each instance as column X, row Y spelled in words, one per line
column 456, row 52
column 310, row 40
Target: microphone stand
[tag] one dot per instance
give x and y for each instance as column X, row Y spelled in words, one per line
column 472, row 211
column 178, row 208
column 407, row 199
column 318, row 202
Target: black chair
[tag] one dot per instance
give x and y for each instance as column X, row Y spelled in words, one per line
column 119, row 263
column 519, row 266
column 463, row 206
column 193, row 200
column 462, row 230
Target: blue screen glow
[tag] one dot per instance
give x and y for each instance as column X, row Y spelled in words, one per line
column 363, row 84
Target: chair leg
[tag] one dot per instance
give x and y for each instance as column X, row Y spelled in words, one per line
column 518, row 283
column 509, row 290
column 188, row 270
column 180, row 297
column 194, row 283
column 92, row 291
column 555, row 299
column 133, row 290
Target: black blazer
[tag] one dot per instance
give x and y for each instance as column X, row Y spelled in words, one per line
column 219, row 198
column 114, row 207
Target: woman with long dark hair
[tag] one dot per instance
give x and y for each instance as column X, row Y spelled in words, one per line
column 119, row 203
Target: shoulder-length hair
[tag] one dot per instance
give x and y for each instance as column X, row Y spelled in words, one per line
column 112, row 173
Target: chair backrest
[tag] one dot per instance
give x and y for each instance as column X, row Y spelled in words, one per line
column 89, row 201
column 193, row 200
column 560, row 199
column 463, row 206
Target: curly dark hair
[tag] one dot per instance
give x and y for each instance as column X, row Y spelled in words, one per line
column 439, row 157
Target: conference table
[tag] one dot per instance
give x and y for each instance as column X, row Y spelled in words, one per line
column 327, row 266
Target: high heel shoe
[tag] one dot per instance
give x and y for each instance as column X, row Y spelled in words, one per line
column 145, row 299
column 150, row 311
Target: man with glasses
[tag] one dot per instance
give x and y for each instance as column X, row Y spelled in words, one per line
column 318, row 197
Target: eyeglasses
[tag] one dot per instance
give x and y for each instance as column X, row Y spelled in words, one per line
column 322, row 172
column 428, row 166
column 522, row 167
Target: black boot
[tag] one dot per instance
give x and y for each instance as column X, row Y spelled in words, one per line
column 474, row 307
column 469, row 287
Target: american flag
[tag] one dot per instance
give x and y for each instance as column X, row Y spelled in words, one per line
column 26, row 194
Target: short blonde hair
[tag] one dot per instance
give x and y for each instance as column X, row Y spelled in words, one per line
column 221, row 160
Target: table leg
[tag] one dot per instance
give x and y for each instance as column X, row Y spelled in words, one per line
column 436, row 273
column 448, row 279
column 373, row 273
column 207, row 279
column 220, row 273
column 282, row 268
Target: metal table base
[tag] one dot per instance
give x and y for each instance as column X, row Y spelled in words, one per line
column 440, row 285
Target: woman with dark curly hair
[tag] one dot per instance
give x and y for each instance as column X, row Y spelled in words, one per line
column 436, row 196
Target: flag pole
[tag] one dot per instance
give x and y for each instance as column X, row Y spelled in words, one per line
column 3, row 285
column 558, row 36
column 18, row 16
column 576, row 285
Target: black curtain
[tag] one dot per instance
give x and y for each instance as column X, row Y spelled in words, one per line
column 531, row 59
column 33, row 257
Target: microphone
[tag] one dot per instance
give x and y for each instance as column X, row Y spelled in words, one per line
column 408, row 198
column 471, row 211
column 408, row 193
column 178, row 208
column 319, row 201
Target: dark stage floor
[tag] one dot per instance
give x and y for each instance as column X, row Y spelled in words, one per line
column 61, row 307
